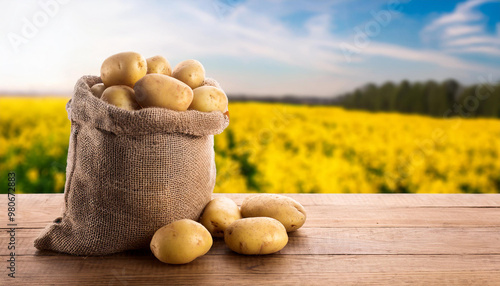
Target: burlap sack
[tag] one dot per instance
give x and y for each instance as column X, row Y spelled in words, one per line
column 130, row 173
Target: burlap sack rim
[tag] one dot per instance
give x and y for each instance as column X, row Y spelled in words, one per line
column 144, row 121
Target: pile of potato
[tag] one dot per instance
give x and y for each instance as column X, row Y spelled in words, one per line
column 131, row 82
column 260, row 227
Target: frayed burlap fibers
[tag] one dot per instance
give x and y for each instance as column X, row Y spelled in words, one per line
column 129, row 173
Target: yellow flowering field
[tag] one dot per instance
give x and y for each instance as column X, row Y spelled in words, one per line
column 287, row 149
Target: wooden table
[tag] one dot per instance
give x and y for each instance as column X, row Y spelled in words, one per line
column 348, row 239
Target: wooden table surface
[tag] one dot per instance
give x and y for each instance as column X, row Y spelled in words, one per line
column 348, row 239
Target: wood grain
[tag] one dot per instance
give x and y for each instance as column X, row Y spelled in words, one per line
column 389, row 200
column 272, row 269
column 348, row 239
column 42, row 209
column 334, row 241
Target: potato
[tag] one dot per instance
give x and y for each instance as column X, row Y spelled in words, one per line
column 256, row 235
column 209, row 98
column 287, row 210
column 159, row 64
column 219, row 214
column 190, row 72
column 121, row 96
column 123, row 69
column 181, row 242
column 159, row 90
column 97, row 89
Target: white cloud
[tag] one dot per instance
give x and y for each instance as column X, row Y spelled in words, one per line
column 81, row 36
column 463, row 30
column 422, row 56
column 460, row 30
column 474, row 40
column 463, row 13
column 476, row 50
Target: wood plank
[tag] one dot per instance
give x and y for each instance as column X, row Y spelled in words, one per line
column 255, row 270
column 33, row 210
column 348, row 239
column 367, row 216
column 39, row 210
column 334, row 241
column 389, row 200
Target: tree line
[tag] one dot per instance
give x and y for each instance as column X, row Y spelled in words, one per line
column 445, row 99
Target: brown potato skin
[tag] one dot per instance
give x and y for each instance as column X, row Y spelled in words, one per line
column 255, row 236
column 158, row 90
column 123, row 69
column 190, row 72
column 181, row 242
column 159, row 64
column 209, row 98
column 121, row 96
column 218, row 214
column 97, row 89
column 285, row 209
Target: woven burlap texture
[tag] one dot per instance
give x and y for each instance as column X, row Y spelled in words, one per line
column 130, row 173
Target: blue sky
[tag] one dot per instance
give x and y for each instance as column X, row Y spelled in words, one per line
column 254, row 47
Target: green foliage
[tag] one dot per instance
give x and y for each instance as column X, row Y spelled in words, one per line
column 444, row 99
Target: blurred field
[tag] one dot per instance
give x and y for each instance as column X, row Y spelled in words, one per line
column 286, row 148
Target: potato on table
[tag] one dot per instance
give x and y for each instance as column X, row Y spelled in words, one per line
column 219, row 214
column 181, row 242
column 287, row 210
column 256, row 235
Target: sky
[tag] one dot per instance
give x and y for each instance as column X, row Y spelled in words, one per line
column 277, row 47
